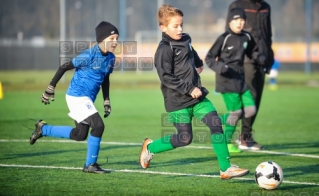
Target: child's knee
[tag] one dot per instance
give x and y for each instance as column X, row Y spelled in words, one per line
column 180, row 140
column 233, row 117
column 250, row 111
column 79, row 133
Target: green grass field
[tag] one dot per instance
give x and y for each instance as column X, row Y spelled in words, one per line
column 287, row 125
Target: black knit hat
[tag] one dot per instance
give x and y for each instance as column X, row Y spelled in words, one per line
column 236, row 13
column 105, row 29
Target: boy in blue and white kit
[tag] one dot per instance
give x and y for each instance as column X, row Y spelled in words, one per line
column 92, row 70
column 273, row 76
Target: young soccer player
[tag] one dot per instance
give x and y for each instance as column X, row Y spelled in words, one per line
column 273, row 86
column 92, row 71
column 226, row 58
column 258, row 24
column 177, row 64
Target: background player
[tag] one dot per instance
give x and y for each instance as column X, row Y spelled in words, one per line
column 226, row 58
column 92, row 71
column 258, row 24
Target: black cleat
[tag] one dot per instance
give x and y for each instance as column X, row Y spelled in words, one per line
column 94, row 168
column 37, row 132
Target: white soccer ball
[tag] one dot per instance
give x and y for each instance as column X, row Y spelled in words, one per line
column 269, row 175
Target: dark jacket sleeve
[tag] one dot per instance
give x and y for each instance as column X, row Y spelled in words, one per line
column 60, row 72
column 214, row 52
column 164, row 63
column 106, row 87
column 252, row 48
column 253, row 53
column 198, row 61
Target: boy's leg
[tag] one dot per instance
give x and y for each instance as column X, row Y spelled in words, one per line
column 79, row 133
column 246, row 141
column 183, row 137
column 96, row 123
column 205, row 111
column 255, row 79
column 182, row 122
column 43, row 129
column 234, row 106
column 272, row 79
column 249, row 106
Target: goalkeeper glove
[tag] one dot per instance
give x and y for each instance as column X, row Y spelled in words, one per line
column 49, row 93
column 107, row 107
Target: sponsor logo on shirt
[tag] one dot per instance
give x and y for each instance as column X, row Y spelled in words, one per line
column 245, row 45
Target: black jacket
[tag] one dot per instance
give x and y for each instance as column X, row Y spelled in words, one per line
column 258, row 24
column 176, row 63
column 230, row 49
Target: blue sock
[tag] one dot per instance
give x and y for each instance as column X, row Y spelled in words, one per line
column 272, row 81
column 93, row 150
column 57, row 131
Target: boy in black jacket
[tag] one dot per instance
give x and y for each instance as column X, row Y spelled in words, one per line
column 226, row 58
column 177, row 65
column 258, row 24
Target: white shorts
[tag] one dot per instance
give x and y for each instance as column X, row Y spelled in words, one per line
column 273, row 73
column 80, row 107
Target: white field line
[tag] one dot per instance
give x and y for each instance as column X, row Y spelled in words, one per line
column 148, row 172
column 139, row 144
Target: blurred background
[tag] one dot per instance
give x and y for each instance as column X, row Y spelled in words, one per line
column 31, row 32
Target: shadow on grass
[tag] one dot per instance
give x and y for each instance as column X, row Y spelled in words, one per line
column 292, row 145
column 284, row 189
column 301, row 170
column 37, row 153
column 183, row 161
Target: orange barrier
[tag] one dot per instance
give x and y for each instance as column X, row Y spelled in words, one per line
column 295, row 52
column 284, row 52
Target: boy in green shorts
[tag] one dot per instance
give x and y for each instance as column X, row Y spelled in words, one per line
column 178, row 67
column 226, row 58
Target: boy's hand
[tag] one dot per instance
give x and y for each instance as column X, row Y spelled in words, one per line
column 199, row 69
column 196, row 93
column 261, row 59
column 224, row 69
column 107, row 108
column 49, row 93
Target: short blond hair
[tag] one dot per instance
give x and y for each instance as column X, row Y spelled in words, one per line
column 166, row 12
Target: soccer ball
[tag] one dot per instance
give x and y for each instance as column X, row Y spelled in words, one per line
column 269, row 175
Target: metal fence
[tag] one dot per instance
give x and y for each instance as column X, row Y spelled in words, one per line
column 28, row 47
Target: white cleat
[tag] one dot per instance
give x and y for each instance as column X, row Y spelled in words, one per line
column 233, row 171
column 146, row 156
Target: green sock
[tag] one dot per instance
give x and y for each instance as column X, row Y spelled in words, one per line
column 228, row 132
column 221, row 150
column 228, row 129
column 161, row 145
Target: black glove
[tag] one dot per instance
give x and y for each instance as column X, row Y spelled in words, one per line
column 224, row 69
column 107, row 108
column 261, row 59
column 49, row 93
